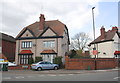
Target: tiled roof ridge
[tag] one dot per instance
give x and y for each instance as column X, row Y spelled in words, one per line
column 36, row 27
column 108, row 36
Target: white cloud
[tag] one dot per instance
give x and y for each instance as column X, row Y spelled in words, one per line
column 17, row 14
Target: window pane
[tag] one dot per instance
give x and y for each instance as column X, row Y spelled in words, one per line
column 22, row 44
column 27, row 56
column 30, row 43
column 45, row 44
column 24, row 61
column 49, row 44
column 53, row 44
column 27, row 44
column 21, row 61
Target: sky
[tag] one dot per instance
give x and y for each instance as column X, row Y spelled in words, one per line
column 75, row 14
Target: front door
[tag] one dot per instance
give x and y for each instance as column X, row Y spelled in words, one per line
column 48, row 57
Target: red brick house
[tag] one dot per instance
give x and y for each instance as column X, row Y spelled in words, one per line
column 7, row 46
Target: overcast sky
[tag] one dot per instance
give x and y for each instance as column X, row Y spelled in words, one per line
column 76, row 14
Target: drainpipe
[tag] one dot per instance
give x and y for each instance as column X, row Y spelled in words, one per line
column 35, row 48
column 57, row 46
column 18, row 51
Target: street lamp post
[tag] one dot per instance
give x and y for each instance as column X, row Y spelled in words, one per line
column 94, row 33
column 93, row 26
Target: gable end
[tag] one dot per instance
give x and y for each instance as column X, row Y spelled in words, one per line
column 24, row 32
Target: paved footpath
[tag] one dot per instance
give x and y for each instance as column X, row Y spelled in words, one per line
column 59, row 71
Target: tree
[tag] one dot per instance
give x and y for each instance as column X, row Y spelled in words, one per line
column 72, row 53
column 79, row 41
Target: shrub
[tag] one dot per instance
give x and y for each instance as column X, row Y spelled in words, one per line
column 37, row 59
column 58, row 60
column 30, row 61
column 77, row 56
column 72, row 53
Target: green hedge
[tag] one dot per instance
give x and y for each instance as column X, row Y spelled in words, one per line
column 30, row 61
column 58, row 60
column 37, row 59
column 79, row 57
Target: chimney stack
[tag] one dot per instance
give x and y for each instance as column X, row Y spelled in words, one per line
column 102, row 30
column 42, row 21
column 114, row 28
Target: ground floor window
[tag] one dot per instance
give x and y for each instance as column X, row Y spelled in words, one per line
column 24, row 59
column 48, row 57
column 117, row 56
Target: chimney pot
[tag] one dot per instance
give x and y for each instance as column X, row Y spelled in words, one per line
column 102, row 30
column 114, row 28
column 42, row 21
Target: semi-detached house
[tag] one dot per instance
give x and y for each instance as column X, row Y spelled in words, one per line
column 107, row 44
column 46, row 39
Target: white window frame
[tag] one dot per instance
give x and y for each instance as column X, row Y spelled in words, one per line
column 49, row 44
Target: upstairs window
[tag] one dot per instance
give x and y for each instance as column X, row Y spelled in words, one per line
column 26, row 44
column 49, row 44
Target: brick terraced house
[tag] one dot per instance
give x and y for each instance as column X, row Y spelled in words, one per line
column 47, row 39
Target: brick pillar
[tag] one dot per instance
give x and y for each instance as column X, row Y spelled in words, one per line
column 66, row 61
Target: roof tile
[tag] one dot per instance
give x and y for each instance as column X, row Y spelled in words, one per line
column 48, row 52
column 55, row 25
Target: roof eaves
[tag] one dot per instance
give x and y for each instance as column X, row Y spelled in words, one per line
column 101, row 41
column 24, row 32
column 67, row 35
column 118, row 33
column 21, row 33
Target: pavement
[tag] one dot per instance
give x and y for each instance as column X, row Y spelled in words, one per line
column 59, row 71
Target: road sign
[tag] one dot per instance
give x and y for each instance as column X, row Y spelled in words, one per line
column 95, row 52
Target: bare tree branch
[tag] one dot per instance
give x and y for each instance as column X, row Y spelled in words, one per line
column 79, row 41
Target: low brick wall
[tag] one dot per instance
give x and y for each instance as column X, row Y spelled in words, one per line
column 19, row 67
column 84, row 64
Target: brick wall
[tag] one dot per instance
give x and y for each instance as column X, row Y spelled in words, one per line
column 8, row 49
column 101, row 63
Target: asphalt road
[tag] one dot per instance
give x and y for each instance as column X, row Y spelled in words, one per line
column 97, row 76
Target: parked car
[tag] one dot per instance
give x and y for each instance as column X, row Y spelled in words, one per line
column 11, row 64
column 44, row 65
